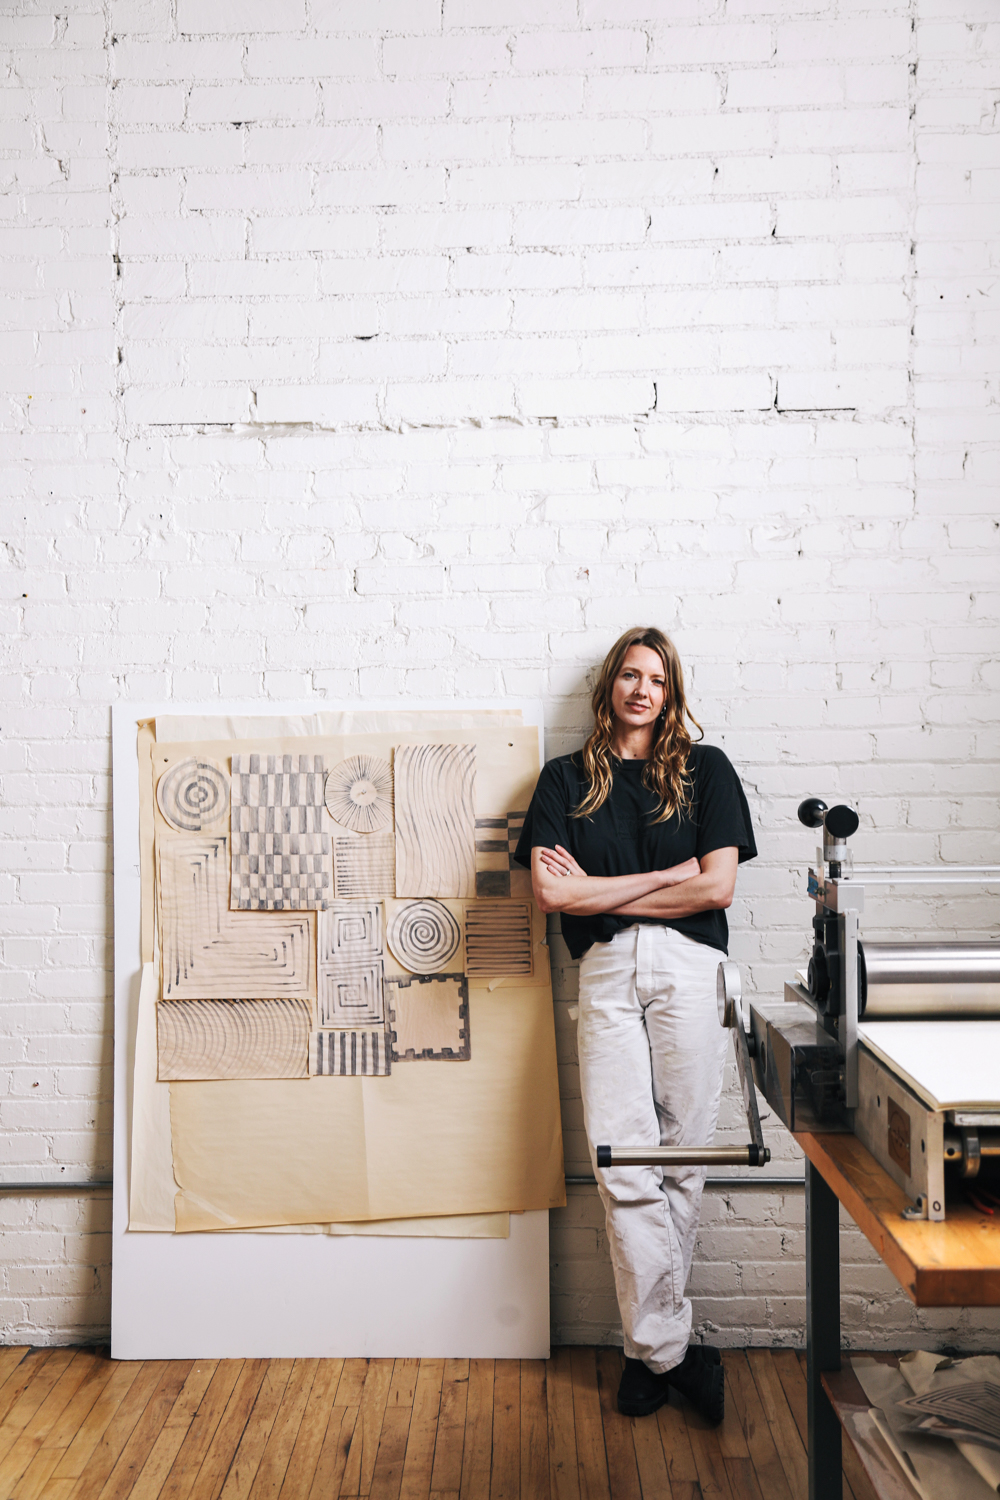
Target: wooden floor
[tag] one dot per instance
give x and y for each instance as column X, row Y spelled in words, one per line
column 74, row 1423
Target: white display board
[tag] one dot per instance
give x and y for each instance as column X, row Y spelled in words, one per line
column 241, row 1294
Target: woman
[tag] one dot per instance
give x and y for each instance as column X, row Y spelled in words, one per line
column 636, row 840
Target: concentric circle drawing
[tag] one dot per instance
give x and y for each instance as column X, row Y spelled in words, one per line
column 423, row 936
column 359, row 794
column 193, row 794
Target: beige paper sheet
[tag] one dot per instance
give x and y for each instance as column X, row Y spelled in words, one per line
column 433, row 1138
column 925, row 1372
column 152, row 1188
column 507, row 767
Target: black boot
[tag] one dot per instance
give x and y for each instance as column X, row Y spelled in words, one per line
column 703, row 1383
column 641, row 1390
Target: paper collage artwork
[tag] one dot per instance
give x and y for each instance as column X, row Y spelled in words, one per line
column 273, row 930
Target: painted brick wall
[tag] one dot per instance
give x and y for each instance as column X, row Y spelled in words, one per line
column 418, row 348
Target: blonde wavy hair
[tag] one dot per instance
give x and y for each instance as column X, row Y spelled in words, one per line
column 666, row 770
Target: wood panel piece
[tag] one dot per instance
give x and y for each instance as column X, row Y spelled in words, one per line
column 211, row 953
column 282, row 858
column 350, row 1054
column 955, row 1263
column 435, row 820
column 198, row 1039
column 498, row 938
column 365, row 867
column 428, row 1018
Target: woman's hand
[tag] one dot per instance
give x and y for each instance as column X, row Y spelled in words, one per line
column 687, row 871
column 560, row 862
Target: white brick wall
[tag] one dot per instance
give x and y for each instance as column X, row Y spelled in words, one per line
column 402, row 348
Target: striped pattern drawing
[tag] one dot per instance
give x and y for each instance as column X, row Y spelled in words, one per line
column 424, row 936
column 365, row 867
column 429, row 1018
column 498, row 938
column 198, row 1039
column 496, row 841
column 281, row 856
column 193, row 794
column 435, row 820
column 349, row 1054
column 359, row 793
column 211, row 953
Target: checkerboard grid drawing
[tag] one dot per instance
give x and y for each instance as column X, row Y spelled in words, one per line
column 496, row 840
column 281, row 857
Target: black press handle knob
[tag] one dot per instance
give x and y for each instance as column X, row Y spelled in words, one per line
column 841, row 821
column 811, row 812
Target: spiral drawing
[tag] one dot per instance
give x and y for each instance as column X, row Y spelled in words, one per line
column 193, row 794
column 359, row 794
column 424, row 936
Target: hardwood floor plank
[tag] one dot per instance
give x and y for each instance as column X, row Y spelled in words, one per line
column 312, row 1430
column 446, row 1475
column 478, row 1448
column 76, row 1411
column 34, row 1480
column 21, row 1452
column 11, row 1356
column 404, row 1382
column 20, row 1377
column 153, row 1475
column 857, row 1485
column 742, row 1479
column 98, row 1456
column 732, row 1438
column 534, row 1432
column 352, row 1383
column 742, row 1394
column 781, row 1422
column 33, row 1397
column 708, row 1456
column 419, row 1461
column 368, row 1428
column 198, row 1439
column 243, row 1469
column 96, row 1422
column 280, row 1445
column 793, row 1382
column 505, row 1475
column 141, row 1439
column 674, row 1436
column 337, row 1439
column 591, row 1459
column 388, row 1473
column 623, row 1470
column 650, row 1459
column 564, row 1477
column 228, row 1433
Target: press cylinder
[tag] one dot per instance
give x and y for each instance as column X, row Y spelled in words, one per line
column 944, row 980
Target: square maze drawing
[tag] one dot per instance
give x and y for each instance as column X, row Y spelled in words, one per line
column 281, row 857
column 496, row 841
column 351, row 997
column 351, row 964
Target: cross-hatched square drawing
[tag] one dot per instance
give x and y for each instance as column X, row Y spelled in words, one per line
column 351, row 996
column 281, row 857
column 349, row 1054
column 428, row 1018
column 365, row 865
column 498, row 938
column 496, row 841
column 350, row 932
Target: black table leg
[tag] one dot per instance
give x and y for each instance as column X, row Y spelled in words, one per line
column 822, row 1333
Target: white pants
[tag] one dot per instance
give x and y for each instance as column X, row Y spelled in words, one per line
column 652, row 1054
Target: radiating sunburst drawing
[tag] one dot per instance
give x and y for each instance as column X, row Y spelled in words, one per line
column 359, row 794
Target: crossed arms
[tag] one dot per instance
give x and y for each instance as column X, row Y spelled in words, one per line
column 559, row 884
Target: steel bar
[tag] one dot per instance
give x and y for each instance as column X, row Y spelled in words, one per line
column 822, row 1334
column 53, row 1187
column 682, row 1156
column 580, row 1180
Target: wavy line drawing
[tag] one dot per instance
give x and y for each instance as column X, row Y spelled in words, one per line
column 423, row 936
column 349, row 1054
column 193, row 794
column 435, row 820
column 359, row 794
column 498, row 938
column 211, row 953
column 199, row 1039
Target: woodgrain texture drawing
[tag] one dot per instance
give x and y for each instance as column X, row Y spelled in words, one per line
column 350, row 965
column 212, row 953
column 359, row 794
column 232, row 1039
column 281, row 858
column 498, row 938
column 365, row 866
column 193, row 794
column 435, row 820
column 349, row 1054
column 429, row 1018
column 423, row 936
column 496, row 841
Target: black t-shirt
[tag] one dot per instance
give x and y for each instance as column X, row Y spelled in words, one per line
column 620, row 838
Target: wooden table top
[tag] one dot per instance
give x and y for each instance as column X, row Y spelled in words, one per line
column 952, row 1264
